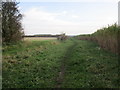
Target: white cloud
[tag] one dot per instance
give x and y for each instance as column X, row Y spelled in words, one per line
column 37, row 21
column 109, row 1
column 75, row 16
column 64, row 12
column 36, row 14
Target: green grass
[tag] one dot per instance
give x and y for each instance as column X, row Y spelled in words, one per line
column 37, row 64
column 33, row 64
column 91, row 67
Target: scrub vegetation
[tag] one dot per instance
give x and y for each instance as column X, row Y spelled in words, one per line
column 108, row 38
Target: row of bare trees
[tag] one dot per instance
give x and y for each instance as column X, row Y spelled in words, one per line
column 108, row 38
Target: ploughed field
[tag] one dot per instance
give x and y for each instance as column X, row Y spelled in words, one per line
column 54, row 64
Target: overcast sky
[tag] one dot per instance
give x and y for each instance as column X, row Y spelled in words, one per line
column 73, row 17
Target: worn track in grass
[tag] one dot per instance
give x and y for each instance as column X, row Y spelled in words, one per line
column 60, row 77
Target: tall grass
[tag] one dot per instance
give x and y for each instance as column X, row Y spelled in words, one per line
column 107, row 37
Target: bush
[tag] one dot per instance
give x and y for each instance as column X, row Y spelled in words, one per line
column 62, row 37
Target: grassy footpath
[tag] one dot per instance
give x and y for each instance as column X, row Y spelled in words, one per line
column 33, row 64
column 38, row 64
column 91, row 67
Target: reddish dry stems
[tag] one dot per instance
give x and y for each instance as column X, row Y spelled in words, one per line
column 108, row 38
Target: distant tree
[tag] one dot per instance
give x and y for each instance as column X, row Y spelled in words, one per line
column 12, row 30
column 62, row 37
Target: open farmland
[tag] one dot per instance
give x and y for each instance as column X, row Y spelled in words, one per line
column 51, row 44
column 55, row 64
column 39, row 38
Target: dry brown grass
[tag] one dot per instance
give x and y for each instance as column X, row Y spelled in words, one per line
column 39, row 38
